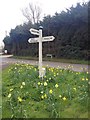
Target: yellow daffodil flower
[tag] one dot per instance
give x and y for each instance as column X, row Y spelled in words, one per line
column 87, row 72
column 49, row 78
column 77, row 73
column 15, row 68
column 50, row 91
column 45, row 96
column 11, row 89
column 41, row 92
column 21, row 87
column 42, row 97
column 9, row 95
column 23, row 83
column 45, row 83
column 39, row 83
column 44, row 76
column 86, row 79
column 54, row 75
column 74, row 89
column 64, row 98
column 56, row 86
column 52, row 70
column 83, row 79
column 38, row 76
column 60, row 96
column 57, row 73
column 19, row 99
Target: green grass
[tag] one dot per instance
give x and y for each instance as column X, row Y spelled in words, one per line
column 73, row 61
column 61, row 93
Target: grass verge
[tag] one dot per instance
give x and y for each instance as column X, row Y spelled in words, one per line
column 60, row 94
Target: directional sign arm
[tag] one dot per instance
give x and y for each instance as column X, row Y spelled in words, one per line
column 48, row 38
column 34, row 31
column 33, row 40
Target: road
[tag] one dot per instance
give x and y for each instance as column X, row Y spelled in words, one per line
column 6, row 60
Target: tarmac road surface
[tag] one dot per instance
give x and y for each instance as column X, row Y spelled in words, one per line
column 5, row 60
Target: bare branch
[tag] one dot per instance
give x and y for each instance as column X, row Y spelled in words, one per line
column 32, row 13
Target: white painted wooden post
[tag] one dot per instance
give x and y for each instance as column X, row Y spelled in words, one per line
column 40, row 52
column 40, row 39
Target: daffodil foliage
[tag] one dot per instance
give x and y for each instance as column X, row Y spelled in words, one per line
column 60, row 94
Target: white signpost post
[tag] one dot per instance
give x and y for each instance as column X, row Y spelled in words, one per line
column 40, row 39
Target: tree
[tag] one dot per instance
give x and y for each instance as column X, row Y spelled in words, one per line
column 70, row 29
column 32, row 13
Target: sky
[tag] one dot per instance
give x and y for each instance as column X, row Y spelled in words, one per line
column 11, row 11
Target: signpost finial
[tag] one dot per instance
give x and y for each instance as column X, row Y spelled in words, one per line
column 40, row 27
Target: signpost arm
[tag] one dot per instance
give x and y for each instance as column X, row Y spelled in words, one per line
column 40, row 52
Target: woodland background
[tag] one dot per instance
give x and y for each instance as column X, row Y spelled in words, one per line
column 70, row 29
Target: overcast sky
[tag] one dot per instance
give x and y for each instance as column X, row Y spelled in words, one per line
column 11, row 15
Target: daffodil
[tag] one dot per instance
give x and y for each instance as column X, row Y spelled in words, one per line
column 23, row 83
column 77, row 73
column 56, row 86
column 15, row 68
column 42, row 97
column 45, row 83
column 35, row 69
column 45, row 76
column 52, row 70
column 50, row 78
column 54, row 75
column 57, row 73
column 19, row 99
column 39, row 83
column 50, row 91
column 60, row 96
column 11, row 89
column 38, row 76
column 60, row 70
column 45, row 96
column 87, row 72
column 21, row 87
column 64, row 98
column 86, row 79
column 74, row 89
column 41, row 92
column 83, row 79
column 9, row 95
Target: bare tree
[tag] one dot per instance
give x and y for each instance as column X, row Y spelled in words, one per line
column 32, row 13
